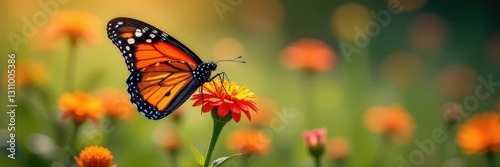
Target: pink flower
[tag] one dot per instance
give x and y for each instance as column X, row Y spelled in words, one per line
column 315, row 138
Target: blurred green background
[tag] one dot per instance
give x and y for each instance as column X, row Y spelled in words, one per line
column 427, row 55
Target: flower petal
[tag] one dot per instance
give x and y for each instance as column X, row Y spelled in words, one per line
column 217, row 103
column 234, row 108
column 247, row 113
column 197, row 103
column 236, row 116
column 207, row 108
column 196, row 96
column 223, row 110
column 251, row 104
column 242, row 106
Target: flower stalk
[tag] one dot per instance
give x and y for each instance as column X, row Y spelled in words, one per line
column 315, row 142
column 317, row 161
column 219, row 123
column 71, row 65
column 71, row 134
column 490, row 156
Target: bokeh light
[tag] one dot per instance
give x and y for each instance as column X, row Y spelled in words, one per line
column 262, row 15
column 493, row 47
column 394, row 121
column 23, row 9
column 310, row 54
column 338, row 148
column 249, row 141
column 402, row 68
column 267, row 108
column 428, row 32
column 346, row 18
column 163, row 132
column 30, row 72
column 497, row 105
column 41, row 144
column 457, row 81
column 227, row 48
column 116, row 102
column 408, row 5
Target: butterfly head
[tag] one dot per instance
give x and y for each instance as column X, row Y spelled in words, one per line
column 212, row 66
column 203, row 72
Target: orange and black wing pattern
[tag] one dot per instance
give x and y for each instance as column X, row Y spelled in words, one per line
column 161, row 67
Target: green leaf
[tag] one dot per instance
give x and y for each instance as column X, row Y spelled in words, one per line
column 199, row 158
column 222, row 160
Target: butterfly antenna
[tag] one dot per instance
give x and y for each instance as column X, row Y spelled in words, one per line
column 233, row 60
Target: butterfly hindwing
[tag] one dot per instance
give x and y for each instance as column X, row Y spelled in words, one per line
column 161, row 67
column 157, row 92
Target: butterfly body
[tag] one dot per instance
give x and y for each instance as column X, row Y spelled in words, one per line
column 163, row 72
column 203, row 72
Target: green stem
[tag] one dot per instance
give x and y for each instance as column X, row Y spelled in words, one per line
column 490, row 156
column 339, row 162
column 307, row 95
column 70, row 138
column 173, row 157
column 317, row 161
column 381, row 151
column 218, row 125
column 71, row 66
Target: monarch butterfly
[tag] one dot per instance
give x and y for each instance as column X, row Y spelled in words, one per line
column 163, row 72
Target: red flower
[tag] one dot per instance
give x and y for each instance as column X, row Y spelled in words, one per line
column 227, row 97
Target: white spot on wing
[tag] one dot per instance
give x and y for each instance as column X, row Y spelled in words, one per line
column 138, row 32
column 149, row 40
column 131, row 41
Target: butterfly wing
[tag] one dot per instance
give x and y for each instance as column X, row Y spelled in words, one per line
column 160, row 66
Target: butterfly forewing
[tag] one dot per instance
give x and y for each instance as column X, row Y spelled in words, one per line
column 161, row 67
column 142, row 44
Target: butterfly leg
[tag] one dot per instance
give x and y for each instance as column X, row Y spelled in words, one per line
column 222, row 76
column 202, row 99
